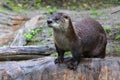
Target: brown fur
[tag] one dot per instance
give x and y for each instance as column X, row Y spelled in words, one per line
column 85, row 38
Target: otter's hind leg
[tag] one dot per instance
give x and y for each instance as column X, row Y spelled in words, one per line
column 101, row 54
column 100, row 50
column 60, row 58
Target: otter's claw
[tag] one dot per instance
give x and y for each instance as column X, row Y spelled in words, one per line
column 73, row 65
column 59, row 60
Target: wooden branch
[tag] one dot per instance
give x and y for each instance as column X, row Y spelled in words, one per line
column 24, row 52
column 115, row 11
column 45, row 69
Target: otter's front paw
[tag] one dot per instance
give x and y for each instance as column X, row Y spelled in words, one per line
column 59, row 60
column 73, row 65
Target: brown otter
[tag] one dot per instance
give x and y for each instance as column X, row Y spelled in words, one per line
column 85, row 38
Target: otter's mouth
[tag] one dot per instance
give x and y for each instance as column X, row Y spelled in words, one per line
column 54, row 25
column 50, row 22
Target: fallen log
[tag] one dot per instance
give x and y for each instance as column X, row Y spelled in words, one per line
column 19, row 57
column 45, row 69
column 30, row 50
column 24, row 52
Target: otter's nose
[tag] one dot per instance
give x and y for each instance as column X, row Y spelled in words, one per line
column 49, row 21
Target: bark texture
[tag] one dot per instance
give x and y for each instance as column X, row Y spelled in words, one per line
column 24, row 52
column 45, row 69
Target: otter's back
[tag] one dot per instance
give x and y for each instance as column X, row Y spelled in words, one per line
column 90, row 31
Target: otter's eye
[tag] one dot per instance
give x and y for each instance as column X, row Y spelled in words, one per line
column 66, row 17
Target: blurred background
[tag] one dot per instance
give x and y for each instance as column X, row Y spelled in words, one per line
column 17, row 5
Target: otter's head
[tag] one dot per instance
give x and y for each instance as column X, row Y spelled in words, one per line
column 59, row 21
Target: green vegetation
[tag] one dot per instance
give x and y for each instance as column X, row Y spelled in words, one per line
column 117, row 49
column 74, row 7
column 40, row 44
column 20, row 5
column 29, row 36
column 95, row 12
column 94, row 16
column 50, row 32
column 3, row 9
column 117, row 37
column 52, row 10
column 117, row 27
column 16, row 8
column 107, row 28
column 118, row 1
column 66, row 53
column 54, row 55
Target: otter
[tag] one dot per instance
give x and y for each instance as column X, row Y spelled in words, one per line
column 85, row 38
